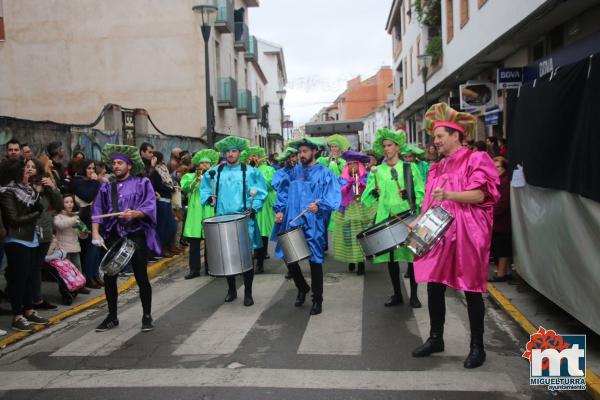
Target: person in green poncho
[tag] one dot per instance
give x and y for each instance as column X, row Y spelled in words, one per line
column 337, row 145
column 196, row 212
column 256, row 157
column 414, row 154
column 386, row 187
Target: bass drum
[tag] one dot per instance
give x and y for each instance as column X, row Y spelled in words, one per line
column 386, row 235
column 229, row 251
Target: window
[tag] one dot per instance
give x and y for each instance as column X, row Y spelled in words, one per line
column 410, row 57
column 2, row 37
column 405, row 73
column 449, row 21
column 403, row 14
column 418, row 53
column 480, row 3
column 464, row 12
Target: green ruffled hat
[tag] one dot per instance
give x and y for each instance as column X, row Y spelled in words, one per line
column 254, row 150
column 206, row 155
column 314, row 142
column 130, row 152
column 232, row 143
column 411, row 149
column 340, row 141
column 286, row 153
column 398, row 137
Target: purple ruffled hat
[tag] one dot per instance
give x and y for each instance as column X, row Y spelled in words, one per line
column 355, row 156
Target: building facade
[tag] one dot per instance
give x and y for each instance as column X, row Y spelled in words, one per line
column 65, row 60
column 470, row 41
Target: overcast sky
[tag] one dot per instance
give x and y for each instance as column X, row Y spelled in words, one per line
column 325, row 43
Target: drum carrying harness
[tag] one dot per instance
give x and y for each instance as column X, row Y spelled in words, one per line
column 219, row 170
column 409, row 186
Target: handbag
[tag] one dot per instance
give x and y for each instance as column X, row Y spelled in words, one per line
column 68, row 272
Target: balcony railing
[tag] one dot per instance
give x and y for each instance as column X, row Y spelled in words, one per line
column 244, row 102
column 252, row 52
column 224, row 22
column 227, row 93
column 242, row 36
column 254, row 108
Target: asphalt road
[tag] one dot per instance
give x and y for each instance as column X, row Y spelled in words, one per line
column 202, row 348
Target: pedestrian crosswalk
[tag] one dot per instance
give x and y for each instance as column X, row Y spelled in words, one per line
column 338, row 331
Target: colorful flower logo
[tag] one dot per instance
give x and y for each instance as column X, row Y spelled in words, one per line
column 545, row 339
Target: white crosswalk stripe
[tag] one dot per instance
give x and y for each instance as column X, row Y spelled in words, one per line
column 338, row 331
column 104, row 343
column 223, row 332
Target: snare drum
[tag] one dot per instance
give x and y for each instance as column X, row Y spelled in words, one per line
column 429, row 230
column 386, row 235
column 229, row 248
column 293, row 245
column 117, row 257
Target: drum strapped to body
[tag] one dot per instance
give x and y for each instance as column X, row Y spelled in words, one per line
column 229, row 250
column 117, row 257
column 385, row 236
column 293, row 245
column 429, row 230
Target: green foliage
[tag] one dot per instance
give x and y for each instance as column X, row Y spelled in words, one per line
column 429, row 12
column 434, row 48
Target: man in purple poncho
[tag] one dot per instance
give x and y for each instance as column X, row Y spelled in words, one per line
column 135, row 199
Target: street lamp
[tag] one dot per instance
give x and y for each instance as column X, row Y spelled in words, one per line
column 208, row 15
column 281, row 96
column 424, row 61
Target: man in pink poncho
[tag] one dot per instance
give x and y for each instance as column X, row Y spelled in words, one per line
column 464, row 183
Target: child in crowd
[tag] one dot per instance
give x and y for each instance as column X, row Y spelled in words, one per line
column 68, row 231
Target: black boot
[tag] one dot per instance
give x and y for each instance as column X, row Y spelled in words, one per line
column 351, row 267
column 361, row 268
column 435, row 344
column 260, row 269
column 248, row 300
column 301, row 298
column 476, row 356
column 231, row 296
column 394, row 300
column 316, row 308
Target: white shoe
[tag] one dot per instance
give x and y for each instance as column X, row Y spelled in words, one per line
column 2, row 332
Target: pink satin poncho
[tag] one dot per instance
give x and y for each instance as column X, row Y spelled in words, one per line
column 461, row 259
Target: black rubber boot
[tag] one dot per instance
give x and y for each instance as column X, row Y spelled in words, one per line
column 476, row 356
column 435, row 344
column 361, row 268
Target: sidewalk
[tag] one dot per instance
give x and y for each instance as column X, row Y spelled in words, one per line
column 81, row 302
column 530, row 310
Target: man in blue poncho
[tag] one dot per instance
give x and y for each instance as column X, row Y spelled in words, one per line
column 311, row 186
column 234, row 183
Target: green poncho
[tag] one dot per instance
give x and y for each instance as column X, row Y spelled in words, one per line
column 196, row 212
column 266, row 216
column 390, row 201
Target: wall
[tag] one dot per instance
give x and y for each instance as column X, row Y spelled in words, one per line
column 138, row 53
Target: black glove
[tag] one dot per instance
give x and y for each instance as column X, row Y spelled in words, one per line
column 404, row 194
column 212, row 201
column 375, row 193
column 251, row 213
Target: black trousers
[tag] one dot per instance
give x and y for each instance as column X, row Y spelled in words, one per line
column 316, row 276
column 436, row 294
column 21, row 263
column 194, row 259
column 394, row 271
column 248, row 279
column 262, row 252
column 139, row 262
column 36, row 273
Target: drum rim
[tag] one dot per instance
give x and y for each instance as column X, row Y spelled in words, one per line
column 115, row 250
column 240, row 218
column 290, row 231
column 384, row 224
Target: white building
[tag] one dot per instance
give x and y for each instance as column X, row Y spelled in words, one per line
column 382, row 117
column 476, row 38
column 64, row 60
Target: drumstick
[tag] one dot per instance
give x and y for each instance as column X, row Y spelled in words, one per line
column 400, row 219
column 107, row 215
column 302, row 213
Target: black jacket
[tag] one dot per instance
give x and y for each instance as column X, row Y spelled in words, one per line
column 19, row 220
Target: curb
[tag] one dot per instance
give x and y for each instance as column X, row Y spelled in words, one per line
column 153, row 271
column 592, row 380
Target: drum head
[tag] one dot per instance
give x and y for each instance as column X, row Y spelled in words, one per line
column 111, row 264
column 289, row 230
column 224, row 218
